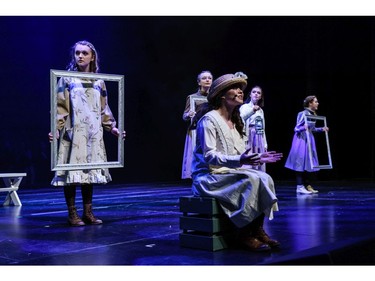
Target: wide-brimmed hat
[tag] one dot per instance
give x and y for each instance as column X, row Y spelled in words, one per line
column 226, row 81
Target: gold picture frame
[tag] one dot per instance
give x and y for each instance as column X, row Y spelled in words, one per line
column 118, row 80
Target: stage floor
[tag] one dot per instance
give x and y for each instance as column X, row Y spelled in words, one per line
column 141, row 227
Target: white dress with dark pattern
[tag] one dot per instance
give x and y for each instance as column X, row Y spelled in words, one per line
column 82, row 114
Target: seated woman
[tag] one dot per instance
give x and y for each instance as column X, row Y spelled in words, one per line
column 221, row 165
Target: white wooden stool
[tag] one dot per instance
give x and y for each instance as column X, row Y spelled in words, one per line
column 12, row 182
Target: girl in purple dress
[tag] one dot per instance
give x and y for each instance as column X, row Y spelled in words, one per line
column 299, row 158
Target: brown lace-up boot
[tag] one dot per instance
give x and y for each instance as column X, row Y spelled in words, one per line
column 250, row 242
column 73, row 218
column 88, row 216
column 253, row 244
column 261, row 235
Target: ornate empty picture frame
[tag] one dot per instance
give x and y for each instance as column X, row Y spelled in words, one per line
column 114, row 84
column 321, row 142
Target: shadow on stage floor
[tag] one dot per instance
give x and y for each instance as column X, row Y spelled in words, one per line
column 141, row 227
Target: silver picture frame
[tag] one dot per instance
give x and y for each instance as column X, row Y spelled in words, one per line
column 194, row 102
column 321, row 142
column 118, row 80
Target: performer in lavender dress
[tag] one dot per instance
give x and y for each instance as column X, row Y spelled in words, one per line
column 299, row 158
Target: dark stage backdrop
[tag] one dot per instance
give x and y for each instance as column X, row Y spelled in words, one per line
column 160, row 57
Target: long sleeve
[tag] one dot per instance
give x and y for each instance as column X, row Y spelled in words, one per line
column 300, row 124
column 63, row 103
column 246, row 111
column 185, row 115
column 264, row 132
column 108, row 120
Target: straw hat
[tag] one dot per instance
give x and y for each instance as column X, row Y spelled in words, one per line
column 226, row 81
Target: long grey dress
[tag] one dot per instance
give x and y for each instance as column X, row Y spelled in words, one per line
column 199, row 98
column 243, row 193
column 82, row 113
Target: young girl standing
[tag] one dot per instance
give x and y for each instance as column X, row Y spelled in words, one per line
column 82, row 115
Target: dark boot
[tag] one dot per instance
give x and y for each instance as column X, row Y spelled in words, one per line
column 250, row 242
column 261, row 235
column 88, row 216
column 253, row 244
column 70, row 198
column 74, row 219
